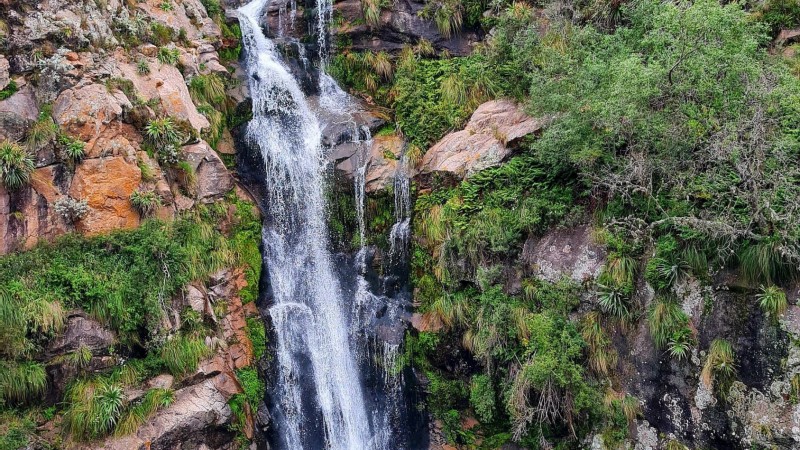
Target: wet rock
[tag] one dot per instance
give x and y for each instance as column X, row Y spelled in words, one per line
column 486, row 141
column 381, row 159
column 567, row 252
column 107, row 184
column 213, row 178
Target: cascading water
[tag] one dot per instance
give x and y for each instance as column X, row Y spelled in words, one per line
column 308, row 306
column 336, row 385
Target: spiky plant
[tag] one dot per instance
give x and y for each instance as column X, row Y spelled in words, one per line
column 448, row 17
column 667, row 321
column 142, row 67
column 145, row 202
column 163, row 131
column 372, row 12
column 42, row 132
column 80, row 357
column 772, row 301
column 74, row 149
column 16, row 165
column 453, row 89
column 720, row 364
column 602, row 356
column 381, row 63
column 168, row 55
column 614, row 301
column 680, row 344
column 764, row 262
column 424, row 47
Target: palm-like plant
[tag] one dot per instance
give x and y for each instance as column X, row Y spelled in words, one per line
column 613, row 301
column 719, row 363
column 16, row 165
column 773, row 301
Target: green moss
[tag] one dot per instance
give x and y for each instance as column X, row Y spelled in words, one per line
column 257, row 334
column 9, row 90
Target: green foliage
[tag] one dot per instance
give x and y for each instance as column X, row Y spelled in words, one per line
column 780, row 14
column 136, row 415
column 120, row 278
column 93, row 408
column 213, row 8
column 181, row 354
column 209, row 89
column 765, row 262
column 168, row 55
column 16, row 165
column 9, row 90
column 482, row 398
column 258, row 336
column 142, row 67
column 163, row 132
column 21, row 382
column 43, row 131
column 719, row 366
column 146, row 202
column 15, row 431
column 772, row 301
column 123, row 85
column 253, row 386
column 669, row 328
column 73, row 148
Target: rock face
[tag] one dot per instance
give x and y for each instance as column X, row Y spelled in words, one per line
column 381, row 158
column 198, row 418
column 486, row 141
column 85, row 111
column 107, row 184
column 17, row 114
column 399, row 25
column 564, row 253
column 5, row 78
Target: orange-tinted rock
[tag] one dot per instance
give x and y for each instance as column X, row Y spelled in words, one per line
column 86, row 111
column 166, row 83
column 107, row 184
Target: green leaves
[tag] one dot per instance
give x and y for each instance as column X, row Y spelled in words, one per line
column 16, row 165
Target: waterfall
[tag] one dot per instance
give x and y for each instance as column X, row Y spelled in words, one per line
column 308, row 312
column 400, row 235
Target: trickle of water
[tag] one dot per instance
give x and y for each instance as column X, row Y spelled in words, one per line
column 308, row 311
column 400, row 235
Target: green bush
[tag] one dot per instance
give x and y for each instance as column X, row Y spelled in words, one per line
column 482, row 398
column 181, row 354
column 16, row 165
column 9, row 90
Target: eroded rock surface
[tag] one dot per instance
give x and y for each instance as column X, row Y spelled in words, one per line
column 486, row 141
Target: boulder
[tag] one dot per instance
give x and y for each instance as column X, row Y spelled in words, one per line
column 83, row 331
column 485, row 142
column 5, row 78
column 107, row 184
column 381, row 159
column 166, row 83
column 569, row 252
column 17, row 114
column 198, row 417
column 85, row 111
column 213, row 178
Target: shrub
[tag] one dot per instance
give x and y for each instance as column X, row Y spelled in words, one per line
column 163, row 131
column 73, row 148
column 772, row 301
column 253, row 386
column 16, row 165
column 168, row 55
column 93, row 408
column 669, row 327
column 258, row 336
column 71, row 209
column 482, row 398
column 21, row 382
column 9, row 90
column 145, row 202
column 181, row 354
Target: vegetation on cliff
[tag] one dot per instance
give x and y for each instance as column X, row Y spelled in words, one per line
column 673, row 131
